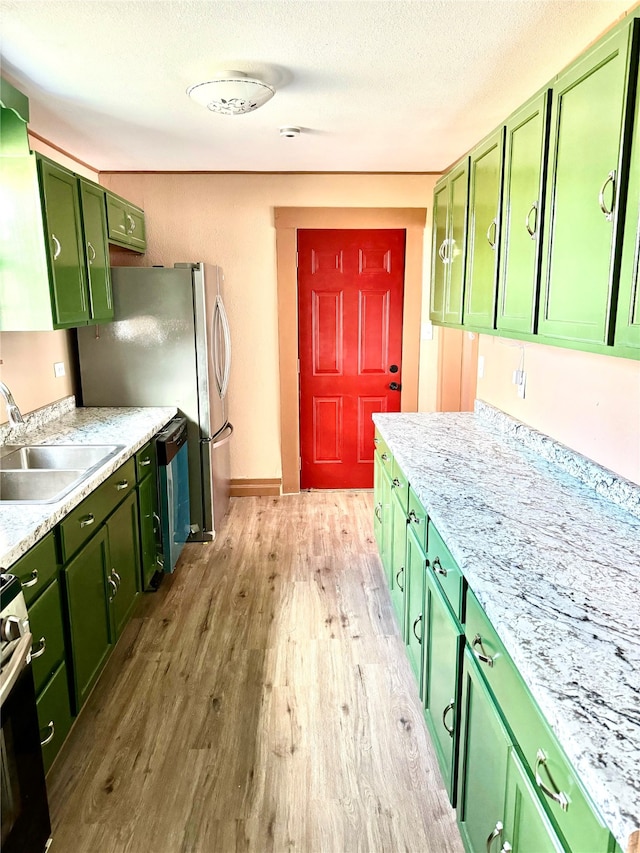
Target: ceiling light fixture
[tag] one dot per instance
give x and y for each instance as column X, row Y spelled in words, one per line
column 232, row 93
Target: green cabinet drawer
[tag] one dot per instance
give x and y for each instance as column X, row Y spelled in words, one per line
column 146, row 460
column 400, row 486
column 54, row 716
column 84, row 520
column 37, row 567
column 45, row 621
column 566, row 801
column 417, row 519
column 446, row 570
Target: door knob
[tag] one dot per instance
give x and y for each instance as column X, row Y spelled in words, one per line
column 395, row 386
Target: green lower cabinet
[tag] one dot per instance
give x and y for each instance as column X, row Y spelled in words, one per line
column 441, row 682
column 45, row 621
column 398, row 562
column 377, row 501
column 123, row 575
column 526, row 826
column 415, row 562
column 85, row 581
column 54, row 715
column 485, row 746
column 148, row 514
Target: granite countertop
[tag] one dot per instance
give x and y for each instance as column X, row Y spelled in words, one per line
column 22, row 525
column 556, row 567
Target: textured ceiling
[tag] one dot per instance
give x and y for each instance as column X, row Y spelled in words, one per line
column 375, row 86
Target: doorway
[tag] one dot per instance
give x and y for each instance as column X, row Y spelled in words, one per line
column 350, row 299
column 287, row 221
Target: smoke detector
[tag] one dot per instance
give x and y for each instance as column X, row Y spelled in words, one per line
column 289, row 132
column 232, row 93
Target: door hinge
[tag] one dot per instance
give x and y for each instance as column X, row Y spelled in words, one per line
column 298, row 366
column 299, row 463
column 296, row 260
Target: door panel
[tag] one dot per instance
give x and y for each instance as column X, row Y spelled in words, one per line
column 350, row 296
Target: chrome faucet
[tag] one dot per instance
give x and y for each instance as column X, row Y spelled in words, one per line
column 13, row 412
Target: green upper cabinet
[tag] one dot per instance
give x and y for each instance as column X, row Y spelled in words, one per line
column 485, row 194
column 65, row 250
column 587, row 171
column 522, row 216
column 96, row 251
column 627, row 333
column 449, row 245
column 126, row 226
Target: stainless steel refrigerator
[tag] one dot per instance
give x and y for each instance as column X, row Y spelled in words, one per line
column 170, row 345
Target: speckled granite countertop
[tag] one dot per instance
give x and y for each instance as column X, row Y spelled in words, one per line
column 557, row 569
column 22, row 525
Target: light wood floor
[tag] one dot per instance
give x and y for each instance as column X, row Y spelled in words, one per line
column 261, row 700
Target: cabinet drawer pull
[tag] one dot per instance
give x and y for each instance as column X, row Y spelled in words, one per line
column 553, row 793
column 413, row 518
column 610, row 179
column 395, row 483
column 439, row 568
column 398, row 578
column 113, row 586
column 378, row 512
column 494, row 225
column 532, row 231
column 448, row 708
column 116, row 578
column 93, row 252
column 384, row 457
column 42, row 645
column 52, row 731
column 57, row 247
column 145, row 462
column 415, row 624
column 481, row 655
column 497, row 832
column 33, row 580
column 123, row 484
column 87, row 520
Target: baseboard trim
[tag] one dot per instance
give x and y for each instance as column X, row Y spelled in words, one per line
column 247, row 488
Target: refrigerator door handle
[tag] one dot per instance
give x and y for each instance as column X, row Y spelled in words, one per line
column 223, row 353
column 220, row 441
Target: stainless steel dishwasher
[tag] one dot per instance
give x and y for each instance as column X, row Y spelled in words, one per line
column 173, row 484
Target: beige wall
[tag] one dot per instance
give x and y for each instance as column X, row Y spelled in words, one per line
column 27, row 358
column 229, row 219
column 589, row 402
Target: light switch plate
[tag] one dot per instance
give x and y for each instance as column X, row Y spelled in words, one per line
column 58, row 368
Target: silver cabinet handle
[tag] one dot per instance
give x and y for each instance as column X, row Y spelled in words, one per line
column 553, row 793
column 506, row 848
column 532, row 231
column 378, row 512
column 144, row 462
column 123, row 484
column 497, row 832
column 42, row 646
column 93, row 252
column 113, row 586
column 441, row 251
column 481, row 655
column 33, row 580
column 415, row 624
column 116, row 578
column 156, row 522
column 51, row 735
column 132, row 224
column 87, row 520
column 610, row 179
column 439, row 568
column 395, row 483
column 494, row 225
column 398, row 578
column 384, row 457
column 57, row 249
column 448, row 708
column 413, row 518
column 376, row 440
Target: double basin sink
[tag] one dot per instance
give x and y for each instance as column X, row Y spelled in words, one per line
column 45, row 473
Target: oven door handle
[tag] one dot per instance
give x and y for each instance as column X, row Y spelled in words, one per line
column 17, row 662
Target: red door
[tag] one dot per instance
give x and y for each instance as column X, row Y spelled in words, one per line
column 350, row 294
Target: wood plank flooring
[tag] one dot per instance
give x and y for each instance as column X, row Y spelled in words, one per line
column 261, row 701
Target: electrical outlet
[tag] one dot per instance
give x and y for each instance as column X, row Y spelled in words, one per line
column 58, row 368
column 480, row 366
column 522, row 385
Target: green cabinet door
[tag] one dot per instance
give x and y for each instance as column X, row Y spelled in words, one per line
column 148, row 514
column 526, row 825
column 377, row 501
column 439, row 266
column 484, row 755
column 61, row 210
column 441, row 691
column 627, row 332
column 582, row 209
column 416, row 561
column 87, row 599
column 455, row 252
column 125, row 223
column 522, row 216
column 387, row 526
column 124, row 568
column 54, row 715
column 485, row 193
column 45, row 622
column 398, row 562
column 96, row 251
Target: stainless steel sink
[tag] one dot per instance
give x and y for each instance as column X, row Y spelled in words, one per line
column 45, row 473
column 58, row 456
